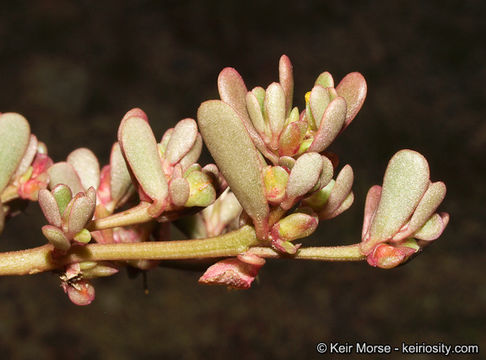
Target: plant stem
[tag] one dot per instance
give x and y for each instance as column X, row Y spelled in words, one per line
column 330, row 253
column 132, row 216
column 32, row 261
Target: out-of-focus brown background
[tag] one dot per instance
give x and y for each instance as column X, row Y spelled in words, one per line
column 74, row 68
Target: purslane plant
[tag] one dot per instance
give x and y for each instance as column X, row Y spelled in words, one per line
column 273, row 181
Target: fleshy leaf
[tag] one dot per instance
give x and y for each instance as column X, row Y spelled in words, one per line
column 120, row 180
column 330, row 125
column 236, row 156
column 255, row 111
column 232, row 90
column 64, row 173
column 56, row 237
column 275, row 179
column 325, row 80
column 86, row 166
column 81, row 212
column 405, row 182
column 179, row 191
column 83, row 236
column 28, row 156
column 295, row 226
column 291, row 138
column 140, row 150
column 193, row 155
column 274, row 105
column 181, row 141
column 50, row 208
column 14, row 140
column 433, row 228
column 371, row 204
column 318, row 102
column 326, row 173
column 63, row 195
column 201, row 190
column 353, row 89
column 304, row 175
column 286, row 79
column 426, row 207
column 345, row 205
column 339, row 192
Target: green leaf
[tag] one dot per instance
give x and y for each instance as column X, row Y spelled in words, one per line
column 181, row 141
column 120, row 180
column 14, row 140
column 56, row 237
column 405, row 182
column 237, row 158
column 140, row 149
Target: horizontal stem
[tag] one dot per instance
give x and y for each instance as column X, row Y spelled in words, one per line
column 32, row 261
column 330, row 253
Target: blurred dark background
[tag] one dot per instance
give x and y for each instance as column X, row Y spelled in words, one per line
column 74, row 68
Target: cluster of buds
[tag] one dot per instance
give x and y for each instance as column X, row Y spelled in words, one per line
column 24, row 162
column 282, row 149
column 400, row 217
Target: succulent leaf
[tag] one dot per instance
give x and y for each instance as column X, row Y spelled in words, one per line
column 236, row 156
column 86, row 166
column 353, row 89
column 14, row 140
column 140, row 150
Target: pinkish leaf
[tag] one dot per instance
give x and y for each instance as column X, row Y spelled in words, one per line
column 232, row 90
column 286, row 79
column 49, row 208
column 330, row 125
column 193, row 155
column 371, row 204
column 181, row 141
column 80, row 293
column 353, row 89
column 339, row 192
column 120, row 179
column 28, row 156
column 81, row 212
column 86, row 166
column 232, row 272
